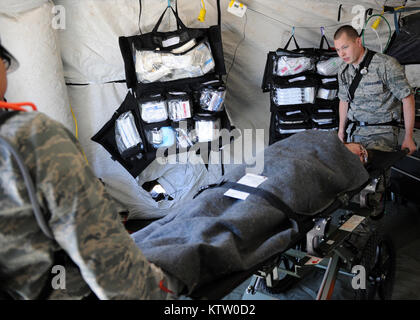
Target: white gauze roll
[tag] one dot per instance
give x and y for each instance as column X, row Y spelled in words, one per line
column 29, row 36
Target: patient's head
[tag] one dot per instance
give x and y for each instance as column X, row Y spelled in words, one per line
column 358, row 150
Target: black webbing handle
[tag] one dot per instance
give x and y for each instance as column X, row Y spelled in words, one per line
column 180, row 24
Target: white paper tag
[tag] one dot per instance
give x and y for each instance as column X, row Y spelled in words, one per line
column 236, row 8
column 170, row 42
column 352, row 223
column 250, row 180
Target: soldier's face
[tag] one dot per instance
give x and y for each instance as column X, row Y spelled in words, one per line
column 3, row 79
column 350, row 50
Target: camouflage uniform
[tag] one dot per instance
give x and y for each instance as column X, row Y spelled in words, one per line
column 83, row 218
column 376, row 100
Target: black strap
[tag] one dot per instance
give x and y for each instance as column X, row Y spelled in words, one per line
column 288, row 42
column 6, row 115
column 363, row 65
column 324, row 38
column 367, row 124
column 270, row 197
column 180, row 24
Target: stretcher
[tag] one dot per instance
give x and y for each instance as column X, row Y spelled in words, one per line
column 329, row 248
column 311, row 239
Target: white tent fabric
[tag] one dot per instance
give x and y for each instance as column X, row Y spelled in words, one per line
column 40, row 77
column 12, row 7
column 91, row 58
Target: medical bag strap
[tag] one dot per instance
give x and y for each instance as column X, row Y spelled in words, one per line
column 219, row 15
column 180, row 24
column 288, row 42
column 321, row 45
column 356, row 81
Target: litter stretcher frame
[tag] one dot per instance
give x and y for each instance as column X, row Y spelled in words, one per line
column 333, row 258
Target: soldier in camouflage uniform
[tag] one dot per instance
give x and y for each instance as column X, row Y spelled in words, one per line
column 98, row 254
column 376, row 99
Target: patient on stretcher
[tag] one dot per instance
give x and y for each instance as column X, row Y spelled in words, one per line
column 216, row 235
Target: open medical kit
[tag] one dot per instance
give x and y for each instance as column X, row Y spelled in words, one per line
column 303, row 88
column 176, row 97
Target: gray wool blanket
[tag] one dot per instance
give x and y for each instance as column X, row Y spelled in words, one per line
column 215, row 235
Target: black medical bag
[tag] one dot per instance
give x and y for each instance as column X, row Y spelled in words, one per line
column 303, row 95
column 176, row 96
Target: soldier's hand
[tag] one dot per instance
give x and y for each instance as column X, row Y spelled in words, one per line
column 341, row 135
column 409, row 143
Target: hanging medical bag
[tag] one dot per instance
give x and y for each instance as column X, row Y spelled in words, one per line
column 303, row 89
column 178, row 95
column 405, row 42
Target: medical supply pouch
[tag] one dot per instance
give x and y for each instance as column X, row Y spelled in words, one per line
column 296, row 115
column 212, row 96
column 303, row 88
column 179, row 106
column 127, row 137
column 153, row 110
column 207, row 128
column 119, row 137
column 324, row 115
column 184, row 56
column 327, row 88
column 294, row 90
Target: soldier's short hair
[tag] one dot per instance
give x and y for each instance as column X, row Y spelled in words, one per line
column 348, row 30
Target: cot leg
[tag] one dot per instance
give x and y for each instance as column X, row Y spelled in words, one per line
column 328, row 282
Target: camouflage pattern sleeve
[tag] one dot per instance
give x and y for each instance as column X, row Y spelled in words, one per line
column 85, row 221
column 342, row 90
column 395, row 79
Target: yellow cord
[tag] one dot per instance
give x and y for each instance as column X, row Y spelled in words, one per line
column 77, row 133
column 202, row 14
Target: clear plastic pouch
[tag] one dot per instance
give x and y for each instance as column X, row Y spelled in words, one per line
column 328, row 67
column 290, row 96
column 179, row 108
column 153, row 66
column 127, row 136
column 161, row 137
column 207, row 130
column 153, row 111
column 183, row 138
column 327, row 94
column 287, row 66
column 213, row 99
